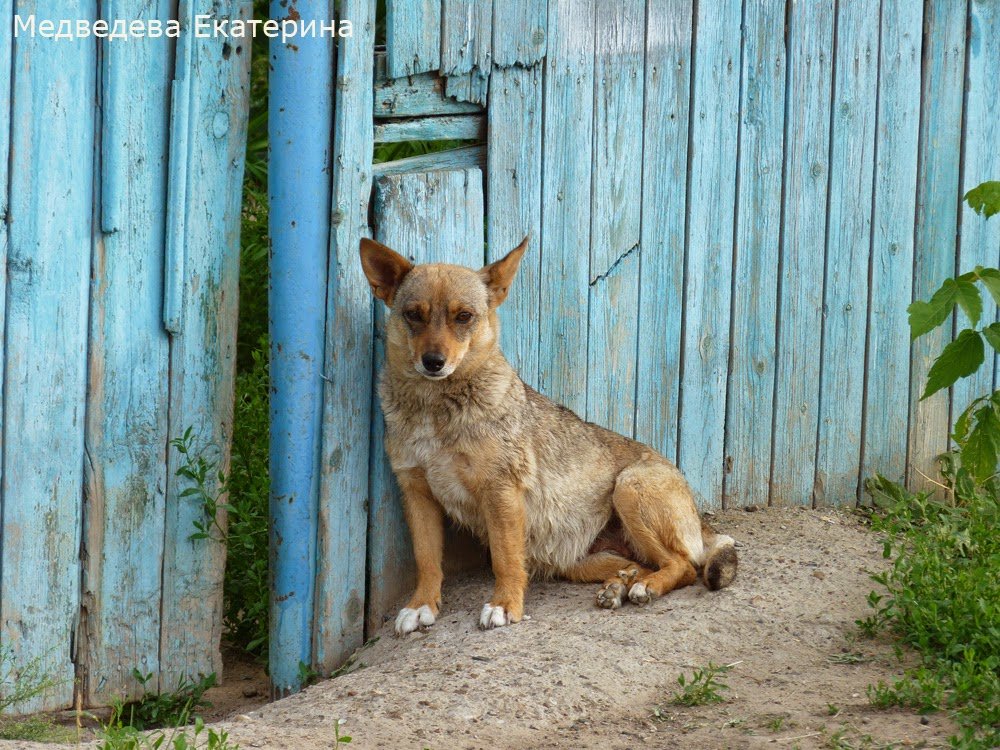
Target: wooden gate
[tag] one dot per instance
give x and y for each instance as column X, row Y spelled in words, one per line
column 118, row 298
column 732, row 205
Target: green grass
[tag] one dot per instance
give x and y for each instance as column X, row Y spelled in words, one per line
column 942, row 597
column 35, row 729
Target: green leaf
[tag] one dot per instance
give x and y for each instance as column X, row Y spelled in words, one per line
column 961, row 430
column 992, row 335
column 960, row 358
column 970, row 300
column 979, row 454
column 984, row 199
column 991, row 280
column 926, row 316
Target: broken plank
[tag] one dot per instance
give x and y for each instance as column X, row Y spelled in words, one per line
column 459, row 127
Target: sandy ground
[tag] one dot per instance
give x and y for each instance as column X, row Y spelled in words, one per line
column 574, row 676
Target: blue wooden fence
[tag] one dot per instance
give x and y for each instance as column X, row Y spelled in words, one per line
column 118, row 310
column 732, row 204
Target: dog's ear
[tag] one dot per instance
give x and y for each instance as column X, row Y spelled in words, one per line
column 499, row 276
column 385, row 269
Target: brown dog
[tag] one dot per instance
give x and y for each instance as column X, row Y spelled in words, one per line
column 550, row 494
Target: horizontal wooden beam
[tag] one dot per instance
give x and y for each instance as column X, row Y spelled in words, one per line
column 456, row 158
column 446, row 128
column 414, row 96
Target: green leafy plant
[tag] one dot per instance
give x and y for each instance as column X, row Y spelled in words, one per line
column 977, row 430
column 246, row 595
column 340, row 739
column 703, row 686
column 207, row 485
column 118, row 736
column 19, row 684
column 170, row 709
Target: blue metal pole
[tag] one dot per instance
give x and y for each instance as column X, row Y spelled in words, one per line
column 300, row 124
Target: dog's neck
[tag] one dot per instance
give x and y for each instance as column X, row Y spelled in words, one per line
column 482, row 382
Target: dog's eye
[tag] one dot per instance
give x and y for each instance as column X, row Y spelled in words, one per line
column 463, row 317
column 412, row 316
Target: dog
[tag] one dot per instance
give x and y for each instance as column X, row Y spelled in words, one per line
column 550, row 494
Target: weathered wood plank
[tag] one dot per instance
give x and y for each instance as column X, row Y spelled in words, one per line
column 979, row 240
column 708, row 277
column 202, row 356
column 414, row 96
column 888, row 374
column 752, row 363
column 449, row 127
column 429, row 217
column 126, row 436
column 412, row 36
column 519, row 32
column 938, row 197
column 616, row 198
column 664, row 211
column 800, row 304
column 514, row 198
column 848, row 245
column 347, row 415
column 466, row 48
column 6, row 50
column 49, row 218
column 466, row 157
column 566, row 181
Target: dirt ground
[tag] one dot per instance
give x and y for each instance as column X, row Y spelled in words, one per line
column 574, row 676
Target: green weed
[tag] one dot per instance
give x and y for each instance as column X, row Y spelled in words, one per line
column 340, row 739
column 118, row 736
column 942, row 594
column 170, row 709
column 703, row 686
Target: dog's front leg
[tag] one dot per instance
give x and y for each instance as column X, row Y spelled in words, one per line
column 505, row 526
column 425, row 517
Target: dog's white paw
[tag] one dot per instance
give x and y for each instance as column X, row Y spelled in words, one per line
column 639, row 594
column 409, row 619
column 493, row 616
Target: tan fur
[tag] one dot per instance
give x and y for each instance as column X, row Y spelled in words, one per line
column 552, row 495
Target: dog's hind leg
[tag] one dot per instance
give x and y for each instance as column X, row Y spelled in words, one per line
column 662, row 524
column 617, row 573
column 425, row 517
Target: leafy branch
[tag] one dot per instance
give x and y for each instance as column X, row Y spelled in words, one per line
column 977, row 430
column 208, row 485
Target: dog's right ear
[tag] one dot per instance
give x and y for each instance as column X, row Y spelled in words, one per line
column 385, row 269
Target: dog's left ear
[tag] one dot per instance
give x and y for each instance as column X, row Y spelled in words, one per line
column 498, row 276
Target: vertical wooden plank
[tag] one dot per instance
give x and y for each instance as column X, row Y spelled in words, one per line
column 708, row 276
column 412, row 36
column 431, row 217
column 519, row 32
column 807, row 142
column 203, row 355
column 848, row 243
column 664, row 211
column 938, row 198
column 126, row 439
column 979, row 240
column 514, row 196
column 614, row 211
column 6, row 67
column 466, row 48
column 347, row 396
column 566, row 181
column 45, row 379
column 888, row 358
column 752, row 363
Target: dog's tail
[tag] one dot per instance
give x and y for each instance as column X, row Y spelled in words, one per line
column 721, row 562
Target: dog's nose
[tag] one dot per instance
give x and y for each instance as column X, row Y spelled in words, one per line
column 433, row 361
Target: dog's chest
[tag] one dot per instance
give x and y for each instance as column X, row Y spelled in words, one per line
column 418, row 445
